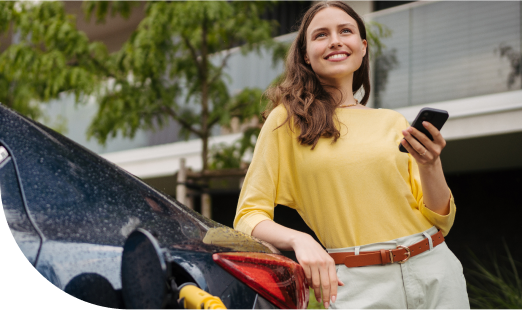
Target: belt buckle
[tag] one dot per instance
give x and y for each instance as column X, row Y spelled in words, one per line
column 408, row 252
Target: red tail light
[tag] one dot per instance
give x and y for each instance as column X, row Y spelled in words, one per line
column 278, row 279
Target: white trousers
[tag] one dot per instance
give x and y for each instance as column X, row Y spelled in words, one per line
column 432, row 279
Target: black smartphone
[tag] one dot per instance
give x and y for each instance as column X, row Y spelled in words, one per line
column 435, row 116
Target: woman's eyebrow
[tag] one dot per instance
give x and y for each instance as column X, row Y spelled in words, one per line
column 345, row 25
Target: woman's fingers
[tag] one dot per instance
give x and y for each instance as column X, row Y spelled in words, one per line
column 435, row 133
column 308, row 274
column 324, row 279
column 422, row 144
column 316, row 283
column 327, row 282
column 334, row 281
column 425, row 142
column 417, row 147
column 419, row 158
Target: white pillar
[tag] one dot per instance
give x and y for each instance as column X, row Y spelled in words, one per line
column 206, row 207
column 181, row 188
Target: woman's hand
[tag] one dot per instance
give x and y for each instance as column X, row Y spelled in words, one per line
column 319, row 268
column 429, row 154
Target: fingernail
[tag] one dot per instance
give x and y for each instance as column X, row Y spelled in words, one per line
column 425, row 123
column 410, row 129
column 405, row 133
column 333, row 299
column 319, row 299
column 326, row 305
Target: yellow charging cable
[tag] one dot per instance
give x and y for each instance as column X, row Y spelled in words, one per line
column 195, row 298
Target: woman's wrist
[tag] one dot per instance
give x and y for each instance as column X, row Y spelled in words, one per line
column 298, row 238
column 435, row 166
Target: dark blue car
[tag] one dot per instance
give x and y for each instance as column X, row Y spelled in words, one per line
column 105, row 237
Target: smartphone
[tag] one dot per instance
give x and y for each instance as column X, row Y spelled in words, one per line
column 435, row 116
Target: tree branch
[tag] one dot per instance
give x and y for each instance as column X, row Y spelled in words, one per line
column 193, row 53
column 213, row 121
column 102, row 67
column 223, row 64
column 180, row 120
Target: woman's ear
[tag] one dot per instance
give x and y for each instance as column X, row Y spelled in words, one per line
column 306, row 59
column 365, row 44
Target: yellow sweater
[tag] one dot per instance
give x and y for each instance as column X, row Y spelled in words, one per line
column 358, row 190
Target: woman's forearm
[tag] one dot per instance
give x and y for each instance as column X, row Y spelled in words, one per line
column 434, row 187
column 281, row 237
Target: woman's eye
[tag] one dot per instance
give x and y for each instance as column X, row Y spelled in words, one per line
column 346, row 31
column 320, row 35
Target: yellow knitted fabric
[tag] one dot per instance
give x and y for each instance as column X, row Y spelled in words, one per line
column 358, row 190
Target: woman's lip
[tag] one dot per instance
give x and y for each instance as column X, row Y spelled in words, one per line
column 337, row 59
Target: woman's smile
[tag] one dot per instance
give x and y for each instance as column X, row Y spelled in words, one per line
column 337, row 56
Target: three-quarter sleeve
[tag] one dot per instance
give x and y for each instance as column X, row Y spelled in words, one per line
column 268, row 181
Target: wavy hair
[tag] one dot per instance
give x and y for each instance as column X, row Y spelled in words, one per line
column 311, row 107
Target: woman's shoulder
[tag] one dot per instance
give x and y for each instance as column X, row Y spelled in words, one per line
column 393, row 116
column 277, row 116
column 278, row 111
column 390, row 113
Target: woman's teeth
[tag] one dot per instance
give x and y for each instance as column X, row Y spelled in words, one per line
column 337, row 56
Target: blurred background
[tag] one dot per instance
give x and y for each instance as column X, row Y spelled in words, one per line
column 171, row 92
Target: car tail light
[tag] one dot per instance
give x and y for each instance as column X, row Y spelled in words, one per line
column 278, row 279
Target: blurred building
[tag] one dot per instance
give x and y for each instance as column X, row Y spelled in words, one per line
column 463, row 57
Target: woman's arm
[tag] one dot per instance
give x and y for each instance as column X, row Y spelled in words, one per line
column 434, row 187
column 319, row 267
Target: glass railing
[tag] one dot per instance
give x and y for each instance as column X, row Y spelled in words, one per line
column 447, row 50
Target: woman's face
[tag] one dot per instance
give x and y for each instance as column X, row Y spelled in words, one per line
column 334, row 47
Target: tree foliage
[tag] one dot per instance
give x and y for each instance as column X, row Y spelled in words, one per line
column 170, row 68
column 50, row 57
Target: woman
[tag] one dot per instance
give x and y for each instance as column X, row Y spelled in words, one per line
column 337, row 163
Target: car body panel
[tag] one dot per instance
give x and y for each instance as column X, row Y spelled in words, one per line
column 60, row 269
column 75, row 210
column 19, row 223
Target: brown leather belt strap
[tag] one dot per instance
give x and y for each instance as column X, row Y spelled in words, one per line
column 399, row 255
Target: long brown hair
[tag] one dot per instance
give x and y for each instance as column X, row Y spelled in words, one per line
column 311, row 107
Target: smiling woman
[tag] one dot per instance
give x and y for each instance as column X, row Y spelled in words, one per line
column 334, row 51
column 381, row 214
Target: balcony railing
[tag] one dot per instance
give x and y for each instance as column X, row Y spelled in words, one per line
column 441, row 51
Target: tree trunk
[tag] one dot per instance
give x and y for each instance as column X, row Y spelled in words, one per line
column 205, row 131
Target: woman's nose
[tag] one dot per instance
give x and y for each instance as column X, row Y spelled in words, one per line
column 335, row 42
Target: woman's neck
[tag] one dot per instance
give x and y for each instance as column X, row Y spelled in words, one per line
column 342, row 94
column 340, row 89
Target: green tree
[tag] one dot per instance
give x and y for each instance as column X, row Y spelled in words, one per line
column 50, row 57
column 170, row 68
